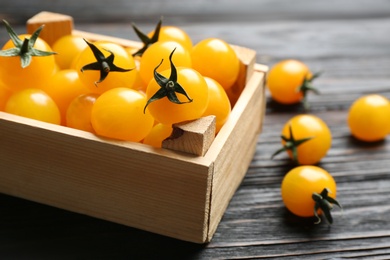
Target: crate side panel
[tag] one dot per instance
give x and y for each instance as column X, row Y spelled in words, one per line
column 107, row 181
column 238, row 142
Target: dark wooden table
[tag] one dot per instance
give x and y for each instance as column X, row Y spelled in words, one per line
column 348, row 40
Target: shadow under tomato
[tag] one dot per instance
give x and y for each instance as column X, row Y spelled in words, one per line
column 275, row 107
column 354, row 142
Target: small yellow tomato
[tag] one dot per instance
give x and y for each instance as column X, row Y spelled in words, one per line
column 158, row 134
column 284, row 80
column 118, row 113
column 67, row 48
column 173, row 33
column 35, row 104
column 167, row 112
column 216, row 59
column 78, row 114
column 159, row 51
column 369, row 118
column 298, row 187
column 218, row 104
column 309, row 127
column 63, row 87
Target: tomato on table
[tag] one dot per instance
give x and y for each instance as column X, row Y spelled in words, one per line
column 306, row 138
column 369, row 118
column 308, row 191
column 288, row 81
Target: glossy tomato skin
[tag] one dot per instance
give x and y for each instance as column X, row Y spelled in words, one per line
column 159, row 51
column 218, row 104
column 216, row 59
column 5, row 93
column 35, row 104
column 174, row 33
column 35, row 75
column 68, row 47
column 158, row 134
column 284, row 79
column 368, row 118
column 114, row 79
column 300, row 183
column 78, row 114
column 168, row 113
column 63, row 87
column 118, row 114
column 304, row 126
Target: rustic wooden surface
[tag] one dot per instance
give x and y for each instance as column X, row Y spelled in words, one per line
column 347, row 40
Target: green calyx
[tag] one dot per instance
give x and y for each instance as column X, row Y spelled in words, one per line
column 292, row 145
column 324, row 203
column 308, row 86
column 145, row 39
column 168, row 87
column 103, row 64
column 24, row 48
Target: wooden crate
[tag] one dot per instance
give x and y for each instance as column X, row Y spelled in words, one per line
column 167, row 192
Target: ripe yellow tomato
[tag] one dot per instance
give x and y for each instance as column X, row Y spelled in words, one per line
column 310, row 127
column 369, row 118
column 167, row 112
column 67, row 48
column 160, row 51
column 33, row 76
column 158, row 134
column 5, row 93
column 35, row 104
column 118, row 113
column 298, row 187
column 63, row 87
column 173, row 33
column 284, row 80
column 78, row 114
column 218, row 104
column 216, row 59
column 114, row 79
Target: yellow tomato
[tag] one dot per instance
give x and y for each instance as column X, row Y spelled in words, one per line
column 158, row 134
column 167, row 112
column 35, row 75
column 35, row 104
column 173, row 33
column 114, row 79
column 67, row 48
column 218, row 104
column 118, row 113
column 216, row 59
column 369, row 118
column 299, row 185
column 78, row 114
column 160, row 51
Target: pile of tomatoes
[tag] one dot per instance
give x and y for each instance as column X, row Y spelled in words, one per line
column 308, row 190
column 105, row 88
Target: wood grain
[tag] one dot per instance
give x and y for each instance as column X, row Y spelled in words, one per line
column 347, row 40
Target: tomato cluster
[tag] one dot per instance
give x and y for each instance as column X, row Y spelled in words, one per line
column 118, row 91
column 309, row 190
